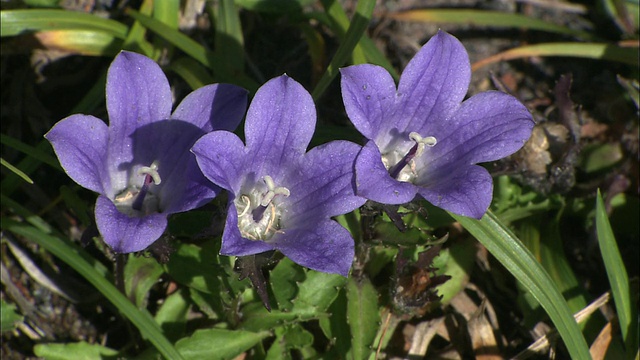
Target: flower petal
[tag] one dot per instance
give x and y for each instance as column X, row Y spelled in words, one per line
column 487, row 127
column 467, row 191
column 374, row 182
column 167, row 144
column 221, row 157
column 326, row 247
column 80, row 142
column 432, row 85
column 125, row 234
column 138, row 93
column 325, row 185
column 232, row 241
column 279, row 125
column 368, row 93
column 213, row 107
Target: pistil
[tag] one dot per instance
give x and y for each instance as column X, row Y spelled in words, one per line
column 415, row 151
column 151, row 175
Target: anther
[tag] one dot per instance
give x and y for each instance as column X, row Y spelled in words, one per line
column 429, row 141
column 151, row 171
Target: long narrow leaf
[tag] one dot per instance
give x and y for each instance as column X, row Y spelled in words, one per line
column 16, row 22
column 16, row 171
column 359, row 24
column 515, row 257
column 609, row 52
column 618, row 279
column 486, row 18
column 70, row 255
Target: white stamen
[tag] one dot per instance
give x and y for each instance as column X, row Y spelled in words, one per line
column 151, row 171
column 429, row 141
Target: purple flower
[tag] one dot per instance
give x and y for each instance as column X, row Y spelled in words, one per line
column 423, row 139
column 280, row 196
column 141, row 164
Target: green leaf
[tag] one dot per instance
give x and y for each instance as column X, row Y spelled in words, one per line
column 16, row 22
column 318, row 291
column 9, row 316
column 284, row 279
column 172, row 315
column 140, row 274
column 79, row 350
column 362, row 316
column 218, row 343
column 177, row 39
column 519, row 261
column 600, row 156
column 229, row 38
column 34, row 152
column 80, row 42
column 626, row 303
column 598, row 51
column 192, row 72
column 486, row 18
column 193, row 266
column 274, row 6
column 77, row 259
column 16, row 171
column 359, row 24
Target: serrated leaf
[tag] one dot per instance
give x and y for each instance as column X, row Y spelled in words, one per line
column 172, row 314
column 256, row 317
column 284, row 278
column 218, row 343
column 362, row 316
column 317, row 292
column 194, row 266
column 80, row 350
column 9, row 316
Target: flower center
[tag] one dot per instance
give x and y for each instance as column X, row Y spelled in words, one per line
column 403, row 167
column 259, row 213
column 138, row 200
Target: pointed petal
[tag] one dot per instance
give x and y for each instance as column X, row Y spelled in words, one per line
column 368, row 93
column 326, row 247
column 374, row 182
column 125, row 234
column 280, row 122
column 466, row 192
column 80, row 142
column 433, row 84
column 233, row 243
column 487, row 127
column 213, row 107
column 325, row 186
column 221, row 157
column 138, row 93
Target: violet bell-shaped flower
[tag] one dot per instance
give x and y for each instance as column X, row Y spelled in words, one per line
column 280, row 196
column 140, row 163
column 422, row 138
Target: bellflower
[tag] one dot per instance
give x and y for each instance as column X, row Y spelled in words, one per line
column 280, row 196
column 140, row 163
column 422, row 138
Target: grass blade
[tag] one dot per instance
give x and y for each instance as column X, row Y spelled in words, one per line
column 486, row 18
column 610, row 52
column 514, row 256
column 358, row 25
column 71, row 255
column 618, row 279
column 16, row 22
column 16, row 171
